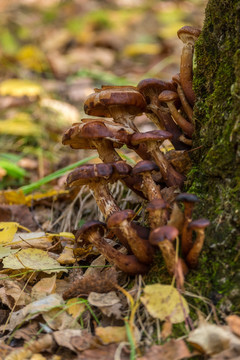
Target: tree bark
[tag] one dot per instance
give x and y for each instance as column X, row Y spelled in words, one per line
column 215, row 176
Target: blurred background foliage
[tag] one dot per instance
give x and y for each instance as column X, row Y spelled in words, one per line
column 53, row 53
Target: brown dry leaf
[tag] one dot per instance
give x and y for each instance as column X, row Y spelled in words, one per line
column 44, row 287
column 166, row 329
column 164, row 301
column 111, row 334
column 106, row 352
column 229, row 354
column 212, row 339
column 67, row 256
column 27, row 332
column 37, row 240
column 11, row 294
column 103, row 299
column 234, row 324
column 57, row 319
column 19, row 214
column 75, row 340
column 172, row 350
column 114, row 310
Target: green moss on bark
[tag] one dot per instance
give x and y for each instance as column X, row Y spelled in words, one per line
column 215, row 176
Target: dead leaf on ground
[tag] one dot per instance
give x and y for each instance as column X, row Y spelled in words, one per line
column 44, row 287
column 11, row 294
column 106, row 352
column 172, row 350
column 234, row 324
column 111, row 334
column 164, row 301
column 19, row 214
column 75, row 340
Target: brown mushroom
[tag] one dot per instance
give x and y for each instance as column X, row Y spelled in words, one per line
column 193, row 255
column 157, row 211
column 153, row 139
column 169, row 97
column 185, row 104
column 139, row 246
column 151, row 89
column 164, row 237
column 188, row 35
column 186, row 239
column 93, row 232
column 150, row 189
column 104, row 137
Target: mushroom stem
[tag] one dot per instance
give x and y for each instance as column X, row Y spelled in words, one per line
column 193, row 255
column 186, row 107
column 127, row 263
column 186, row 126
column 104, row 199
column 186, row 74
column 150, row 189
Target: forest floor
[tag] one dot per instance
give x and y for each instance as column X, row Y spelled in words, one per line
column 57, row 301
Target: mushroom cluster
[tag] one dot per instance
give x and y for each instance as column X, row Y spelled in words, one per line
column 113, row 110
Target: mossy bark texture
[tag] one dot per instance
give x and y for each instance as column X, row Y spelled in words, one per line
column 215, row 176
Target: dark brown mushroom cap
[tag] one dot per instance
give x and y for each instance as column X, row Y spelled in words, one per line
column 118, row 217
column 163, row 233
column 176, row 79
column 155, row 85
column 188, row 33
column 199, row 224
column 168, row 96
column 93, row 107
column 121, row 168
column 154, row 135
column 89, row 173
column 89, row 228
column 131, row 99
column 144, row 166
column 186, row 197
column 83, row 135
column 156, row 204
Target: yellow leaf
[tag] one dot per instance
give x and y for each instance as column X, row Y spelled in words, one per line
column 7, row 231
column 31, row 57
column 163, row 301
column 12, row 197
column 142, row 49
column 111, row 334
column 20, row 125
column 34, row 259
column 19, row 87
column 74, row 307
column 44, row 287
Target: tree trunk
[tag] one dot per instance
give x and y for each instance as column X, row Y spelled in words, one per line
column 215, row 176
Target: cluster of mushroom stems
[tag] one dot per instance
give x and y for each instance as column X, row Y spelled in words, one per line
column 114, row 108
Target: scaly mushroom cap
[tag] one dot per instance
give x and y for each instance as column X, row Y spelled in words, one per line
column 153, row 86
column 186, row 197
column 89, row 228
column 188, row 34
column 163, row 233
column 118, row 217
column 156, row 204
column 154, row 135
column 144, row 166
column 199, row 224
column 176, row 79
column 92, row 173
column 83, row 135
column 93, row 107
column 168, row 95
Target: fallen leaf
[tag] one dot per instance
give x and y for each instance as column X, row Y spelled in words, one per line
column 234, row 324
column 166, row 329
column 75, row 307
column 106, row 352
column 172, row 350
column 11, row 294
column 34, row 259
column 163, row 301
column 103, row 299
column 44, row 287
column 57, row 319
column 4, row 251
column 75, row 340
column 113, row 310
column 21, row 124
column 19, row 87
column 111, row 334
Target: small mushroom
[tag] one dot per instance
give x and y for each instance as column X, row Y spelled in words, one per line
column 164, row 237
column 188, row 35
column 169, row 97
column 148, row 186
column 104, row 137
column 193, row 255
column 140, row 247
column 157, row 210
column 151, row 89
column 153, row 139
column 188, row 200
column 93, row 232
column 185, row 104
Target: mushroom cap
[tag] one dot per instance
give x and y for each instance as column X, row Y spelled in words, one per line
column 176, row 79
column 118, row 217
column 127, row 97
column 121, row 168
column 90, row 227
column 199, row 224
column 168, row 96
column 154, row 135
column 188, row 34
column 154, row 85
column 163, row 233
column 84, row 135
column 89, row 173
column 144, row 166
column 156, row 204
column 186, row 197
